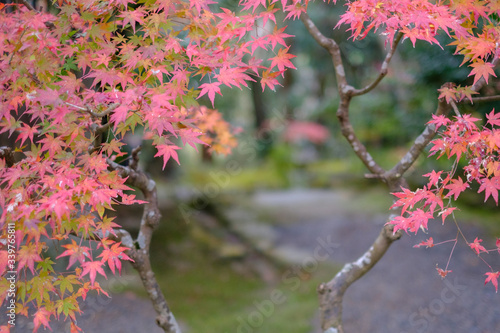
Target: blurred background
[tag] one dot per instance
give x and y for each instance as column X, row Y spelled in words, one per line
column 237, row 249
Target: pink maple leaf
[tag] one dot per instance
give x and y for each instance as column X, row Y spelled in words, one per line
column 428, row 243
column 210, row 89
column 42, row 317
column 456, row 187
column 493, row 278
column 482, row 69
column 92, row 268
column 167, row 151
column 490, row 187
column 282, row 60
column 477, row 247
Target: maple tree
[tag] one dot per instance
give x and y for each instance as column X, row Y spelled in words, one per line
column 76, row 82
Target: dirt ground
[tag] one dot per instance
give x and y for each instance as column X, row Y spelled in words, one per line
column 401, row 294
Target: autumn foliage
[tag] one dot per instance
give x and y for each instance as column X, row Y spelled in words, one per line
column 76, row 81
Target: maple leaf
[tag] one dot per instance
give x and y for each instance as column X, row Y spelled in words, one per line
column 74, row 328
column 493, row 118
column 277, row 37
column 167, row 151
column 190, row 136
column 282, row 60
column 27, row 256
column 113, row 256
column 443, row 273
column 210, row 89
column 42, row 317
column 26, row 132
column 269, row 79
column 444, row 213
column 132, row 16
column 76, row 252
column 482, row 69
column 477, row 247
column 449, row 94
column 490, row 187
column 498, row 244
column 493, row 278
column 92, row 268
column 434, row 178
column 428, row 243
column 456, row 187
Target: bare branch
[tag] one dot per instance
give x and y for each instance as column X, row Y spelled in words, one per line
column 134, row 164
column 333, row 48
column 139, row 252
column 103, row 128
column 331, row 293
column 357, row 146
column 483, row 99
column 110, row 109
column 383, row 69
column 418, row 146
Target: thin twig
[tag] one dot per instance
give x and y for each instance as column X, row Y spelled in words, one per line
column 418, row 146
column 332, row 47
column 383, row 69
column 455, row 108
column 483, row 99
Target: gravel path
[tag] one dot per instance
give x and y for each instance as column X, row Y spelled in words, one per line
column 401, row 294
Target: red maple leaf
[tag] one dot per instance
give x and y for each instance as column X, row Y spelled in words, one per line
column 434, row 178
column 75, row 252
column 456, row 187
column 167, row 151
column 92, row 268
column 493, row 278
column 113, row 256
column 190, row 136
column 278, row 36
column 282, row 60
column 490, row 187
column 493, row 118
column 42, row 317
column 477, row 247
column 210, row 89
column 428, row 243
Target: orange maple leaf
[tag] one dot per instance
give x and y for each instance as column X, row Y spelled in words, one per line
column 482, row 69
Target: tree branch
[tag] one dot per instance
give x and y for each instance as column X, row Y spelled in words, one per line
column 418, row 146
column 383, row 69
column 333, row 48
column 139, row 251
column 351, row 137
column 110, row 109
column 331, row 293
column 483, row 99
